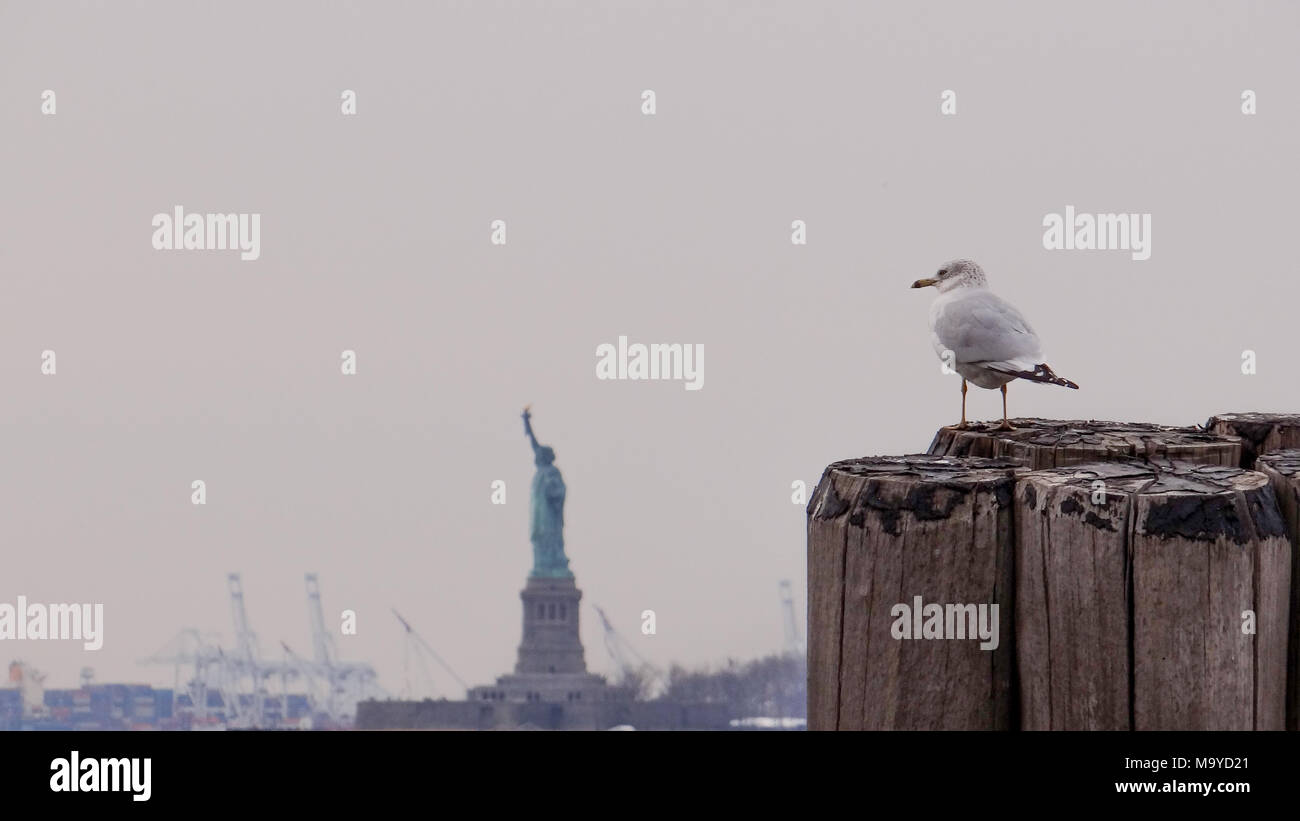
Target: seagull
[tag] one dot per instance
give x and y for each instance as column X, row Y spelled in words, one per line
column 982, row 336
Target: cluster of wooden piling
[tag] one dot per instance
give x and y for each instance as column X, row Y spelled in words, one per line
column 1143, row 577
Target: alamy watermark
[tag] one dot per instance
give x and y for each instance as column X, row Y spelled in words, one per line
column 1098, row 232
column 946, row 621
column 52, row 622
column 77, row 774
column 653, row 361
column 179, row 231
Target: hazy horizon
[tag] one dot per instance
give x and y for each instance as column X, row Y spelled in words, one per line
column 174, row 366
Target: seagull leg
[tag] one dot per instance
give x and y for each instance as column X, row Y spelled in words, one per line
column 963, row 424
column 1005, row 424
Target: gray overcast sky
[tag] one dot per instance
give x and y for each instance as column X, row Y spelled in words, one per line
column 177, row 366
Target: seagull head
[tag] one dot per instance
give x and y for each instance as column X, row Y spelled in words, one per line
column 960, row 273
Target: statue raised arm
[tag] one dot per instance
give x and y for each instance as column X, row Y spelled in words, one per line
column 528, row 428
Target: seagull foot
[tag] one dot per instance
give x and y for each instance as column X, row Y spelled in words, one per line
column 1006, row 425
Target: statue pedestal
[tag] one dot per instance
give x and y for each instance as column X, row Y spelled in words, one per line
column 551, row 643
column 551, row 667
column 550, row 688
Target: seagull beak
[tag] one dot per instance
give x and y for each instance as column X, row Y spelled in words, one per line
column 924, row 283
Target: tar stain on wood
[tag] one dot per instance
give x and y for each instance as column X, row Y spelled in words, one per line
column 1047, row 443
column 1260, row 432
column 1074, row 596
column 1122, row 610
column 1193, row 505
column 881, row 531
column 1129, row 597
column 1283, row 471
column 1070, row 506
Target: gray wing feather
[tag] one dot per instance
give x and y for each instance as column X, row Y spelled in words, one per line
column 980, row 327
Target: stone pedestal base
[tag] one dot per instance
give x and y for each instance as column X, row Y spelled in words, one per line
column 551, row 643
column 550, row 688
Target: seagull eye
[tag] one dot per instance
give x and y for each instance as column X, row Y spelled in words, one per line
column 941, row 273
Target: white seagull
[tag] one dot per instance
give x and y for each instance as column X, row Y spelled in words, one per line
column 988, row 340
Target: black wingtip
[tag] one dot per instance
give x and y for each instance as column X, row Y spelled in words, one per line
column 1041, row 373
column 1046, row 370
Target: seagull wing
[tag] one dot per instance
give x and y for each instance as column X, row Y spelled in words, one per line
column 981, row 328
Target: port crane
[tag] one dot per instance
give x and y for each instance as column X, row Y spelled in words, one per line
column 794, row 645
column 416, row 647
column 642, row 674
column 238, row 680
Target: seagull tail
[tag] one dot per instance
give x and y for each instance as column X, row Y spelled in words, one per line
column 1042, row 372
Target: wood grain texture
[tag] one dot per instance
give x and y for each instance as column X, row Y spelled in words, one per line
column 1260, row 432
column 1046, row 443
column 1130, row 595
column 1120, row 612
column 1073, row 595
column 827, row 515
column 1208, row 544
column 882, row 531
column 1283, row 471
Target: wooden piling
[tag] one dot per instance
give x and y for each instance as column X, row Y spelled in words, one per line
column 1162, row 598
column 1260, row 432
column 881, row 532
column 1074, row 595
column 1283, row 471
column 1151, row 596
column 1047, row 443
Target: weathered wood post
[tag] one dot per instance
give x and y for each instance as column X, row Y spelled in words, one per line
column 1260, row 432
column 1283, row 471
column 1151, row 596
column 1048, row 443
column 883, row 531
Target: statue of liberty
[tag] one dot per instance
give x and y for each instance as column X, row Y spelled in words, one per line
column 547, row 532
